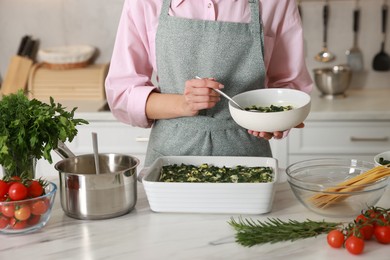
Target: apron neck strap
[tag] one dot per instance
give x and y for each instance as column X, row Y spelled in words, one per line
column 255, row 16
column 254, row 6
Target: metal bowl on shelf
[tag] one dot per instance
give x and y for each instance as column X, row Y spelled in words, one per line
column 333, row 82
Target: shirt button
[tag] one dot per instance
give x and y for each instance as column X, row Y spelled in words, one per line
column 209, row 5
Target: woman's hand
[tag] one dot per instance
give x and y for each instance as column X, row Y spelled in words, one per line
column 276, row 135
column 198, row 95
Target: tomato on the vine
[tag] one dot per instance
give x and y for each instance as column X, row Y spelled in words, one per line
column 375, row 215
column 335, row 238
column 364, row 226
column 35, row 189
column 33, row 220
column 17, row 224
column 3, row 188
column 39, row 207
column 8, row 210
column 22, row 212
column 4, row 221
column 382, row 234
column 17, row 191
column 354, row 245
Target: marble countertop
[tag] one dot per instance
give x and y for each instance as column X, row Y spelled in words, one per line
column 143, row 234
column 359, row 104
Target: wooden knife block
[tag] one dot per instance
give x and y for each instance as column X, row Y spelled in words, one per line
column 17, row 75
column 85, row 83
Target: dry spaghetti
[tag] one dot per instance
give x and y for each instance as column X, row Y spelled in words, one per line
column 356, row 183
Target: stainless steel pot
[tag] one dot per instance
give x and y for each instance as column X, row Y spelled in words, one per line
column 86, row 195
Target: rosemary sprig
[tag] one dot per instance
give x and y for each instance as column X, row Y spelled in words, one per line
column 251, row 232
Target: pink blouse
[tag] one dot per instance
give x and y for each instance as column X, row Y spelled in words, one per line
column 129, row 80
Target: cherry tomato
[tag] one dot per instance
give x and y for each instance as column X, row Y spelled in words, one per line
column 33, row 220
column 4, row 221
column 35, row 189
column 22, row 212
column 3, row 188
column 374, row 215
column 8, row 210
column 17, row 224
column 14, row 179
column 17, row 191
column 335, row 238
column 366, row 229
column 382, row 234
column 354, row 245
column 39, row 207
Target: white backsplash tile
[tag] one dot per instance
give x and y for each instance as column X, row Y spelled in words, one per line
column 62, row 22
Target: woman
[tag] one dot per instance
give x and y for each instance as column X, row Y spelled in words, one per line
column 237, row 45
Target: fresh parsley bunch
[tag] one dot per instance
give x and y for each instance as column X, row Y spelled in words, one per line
column 31, row 128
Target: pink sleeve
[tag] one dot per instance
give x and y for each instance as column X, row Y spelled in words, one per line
column 286, row 66
column 128, row 83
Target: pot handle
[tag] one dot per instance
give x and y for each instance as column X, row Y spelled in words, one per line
column 63, row 151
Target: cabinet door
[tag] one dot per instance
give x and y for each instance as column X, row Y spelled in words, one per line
column 348, row 138
column 113, row 137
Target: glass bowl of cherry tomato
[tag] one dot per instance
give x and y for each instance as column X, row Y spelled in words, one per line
column 25, row 205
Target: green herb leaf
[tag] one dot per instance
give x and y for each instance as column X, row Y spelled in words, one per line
column 251, row 232
column 31, row 128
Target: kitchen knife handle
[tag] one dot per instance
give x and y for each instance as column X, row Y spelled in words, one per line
column 22, row 44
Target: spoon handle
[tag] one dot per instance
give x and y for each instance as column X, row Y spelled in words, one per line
column 229, row 98
column 96, row 152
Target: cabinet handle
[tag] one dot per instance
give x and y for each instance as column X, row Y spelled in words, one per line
column 369, row 139
column 142, row 139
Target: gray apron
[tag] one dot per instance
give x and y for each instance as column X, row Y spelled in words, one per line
column 232, row 53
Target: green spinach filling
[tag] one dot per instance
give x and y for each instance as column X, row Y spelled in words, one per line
column 383, row 161
column 212, row 174
column 271, row 108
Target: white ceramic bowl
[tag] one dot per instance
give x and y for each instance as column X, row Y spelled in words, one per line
column 384, row 155
column 224, row 198
column 66, row 54
column 271, row 121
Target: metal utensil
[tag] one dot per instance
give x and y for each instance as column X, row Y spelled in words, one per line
column 225, row 95
column 325, row 55
column 381, row 61
column 96, row 152
column 354, row 55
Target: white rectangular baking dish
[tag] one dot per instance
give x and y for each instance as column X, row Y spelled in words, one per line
column 229, row 198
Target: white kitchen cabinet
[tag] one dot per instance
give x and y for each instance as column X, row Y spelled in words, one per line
column 360, row 139
column 113, row 137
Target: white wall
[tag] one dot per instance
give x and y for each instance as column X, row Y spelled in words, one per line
column 58, row 22
column 62, row 22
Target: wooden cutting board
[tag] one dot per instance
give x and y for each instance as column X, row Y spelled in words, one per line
column 85, row 83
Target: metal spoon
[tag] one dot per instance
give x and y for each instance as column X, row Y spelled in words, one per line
column 226, row 96
column 325, row 55
column 96, row 152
